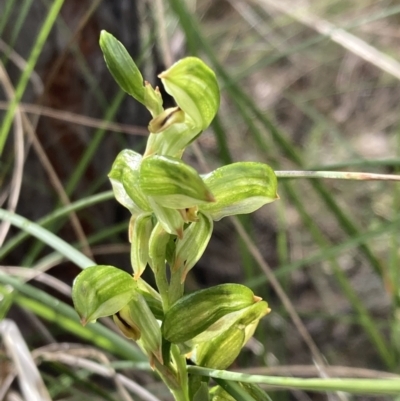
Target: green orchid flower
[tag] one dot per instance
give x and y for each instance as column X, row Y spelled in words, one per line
column 173, row 209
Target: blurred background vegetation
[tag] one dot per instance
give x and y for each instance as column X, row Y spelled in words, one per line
column 305, row 86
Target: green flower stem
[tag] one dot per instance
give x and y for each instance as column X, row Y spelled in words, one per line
column 180, row 362
column 338, row 175
column 172, row 381
column 163, row 287
column 157, row 248
column 176, row 287
column 355, row 386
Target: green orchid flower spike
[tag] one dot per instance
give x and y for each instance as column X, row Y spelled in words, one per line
column 173, row 209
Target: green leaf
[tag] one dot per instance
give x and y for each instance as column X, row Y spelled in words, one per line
column 100, row 291
column 122, row 67
column 201, row 309
column 172, row 183
column 240, row 188
column 140, row 235
column 194, row 87
column 191, row 247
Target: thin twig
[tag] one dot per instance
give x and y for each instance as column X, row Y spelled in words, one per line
column 105, row 371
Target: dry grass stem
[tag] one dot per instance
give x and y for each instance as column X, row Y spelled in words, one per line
column 79, row 119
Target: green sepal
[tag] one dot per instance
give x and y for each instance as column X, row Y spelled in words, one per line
column 124, row 176
column 201, row 309
column 137, row 314
column 122, row 67
column 191, row 247
column 247, row 318
column 172, row 183
column 222, row 350
column 140, row 235
column 240, row 188
column 170, row 219
column 125, row 170
column 226, row 337
column 120, row 194
column 194, row 87
column 100, row 291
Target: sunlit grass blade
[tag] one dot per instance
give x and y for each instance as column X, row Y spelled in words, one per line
column 48, row 238
column 54, row 216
